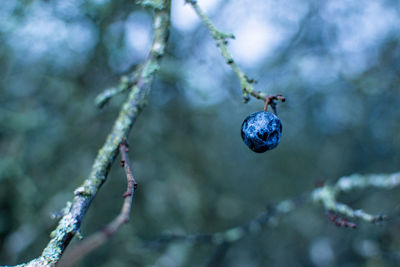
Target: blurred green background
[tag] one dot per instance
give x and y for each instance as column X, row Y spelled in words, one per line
column 337, row 63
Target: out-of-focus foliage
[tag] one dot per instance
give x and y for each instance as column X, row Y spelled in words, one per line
column 337, row 62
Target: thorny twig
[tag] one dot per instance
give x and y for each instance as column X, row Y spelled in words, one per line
column 97, row 239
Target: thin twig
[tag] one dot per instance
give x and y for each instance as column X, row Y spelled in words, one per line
column 220, row 38
column 125, row 82
column 69, row 224
column 76, row 253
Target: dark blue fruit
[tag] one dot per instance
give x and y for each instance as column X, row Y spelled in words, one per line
column 261, row 131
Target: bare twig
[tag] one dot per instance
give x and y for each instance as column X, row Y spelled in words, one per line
column 97, row 239
column 69, row 224
column 221, row 39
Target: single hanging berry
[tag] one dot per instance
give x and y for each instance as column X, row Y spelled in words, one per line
column 261, row 131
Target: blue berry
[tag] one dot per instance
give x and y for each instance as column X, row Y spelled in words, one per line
column 261, row 131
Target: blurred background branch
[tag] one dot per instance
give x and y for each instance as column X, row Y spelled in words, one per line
column 337, row 62
column 325, row 195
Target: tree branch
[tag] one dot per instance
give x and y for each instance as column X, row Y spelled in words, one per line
column 70, row 223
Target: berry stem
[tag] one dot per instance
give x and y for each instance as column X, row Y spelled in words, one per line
column 271, row 101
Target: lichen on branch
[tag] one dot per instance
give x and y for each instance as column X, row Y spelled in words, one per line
column 69, row 224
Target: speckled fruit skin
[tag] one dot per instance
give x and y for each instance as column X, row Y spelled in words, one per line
column 261, row 131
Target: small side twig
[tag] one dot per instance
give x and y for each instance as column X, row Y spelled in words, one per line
column 126, row 164
column 97, row 239
column 126, row 82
